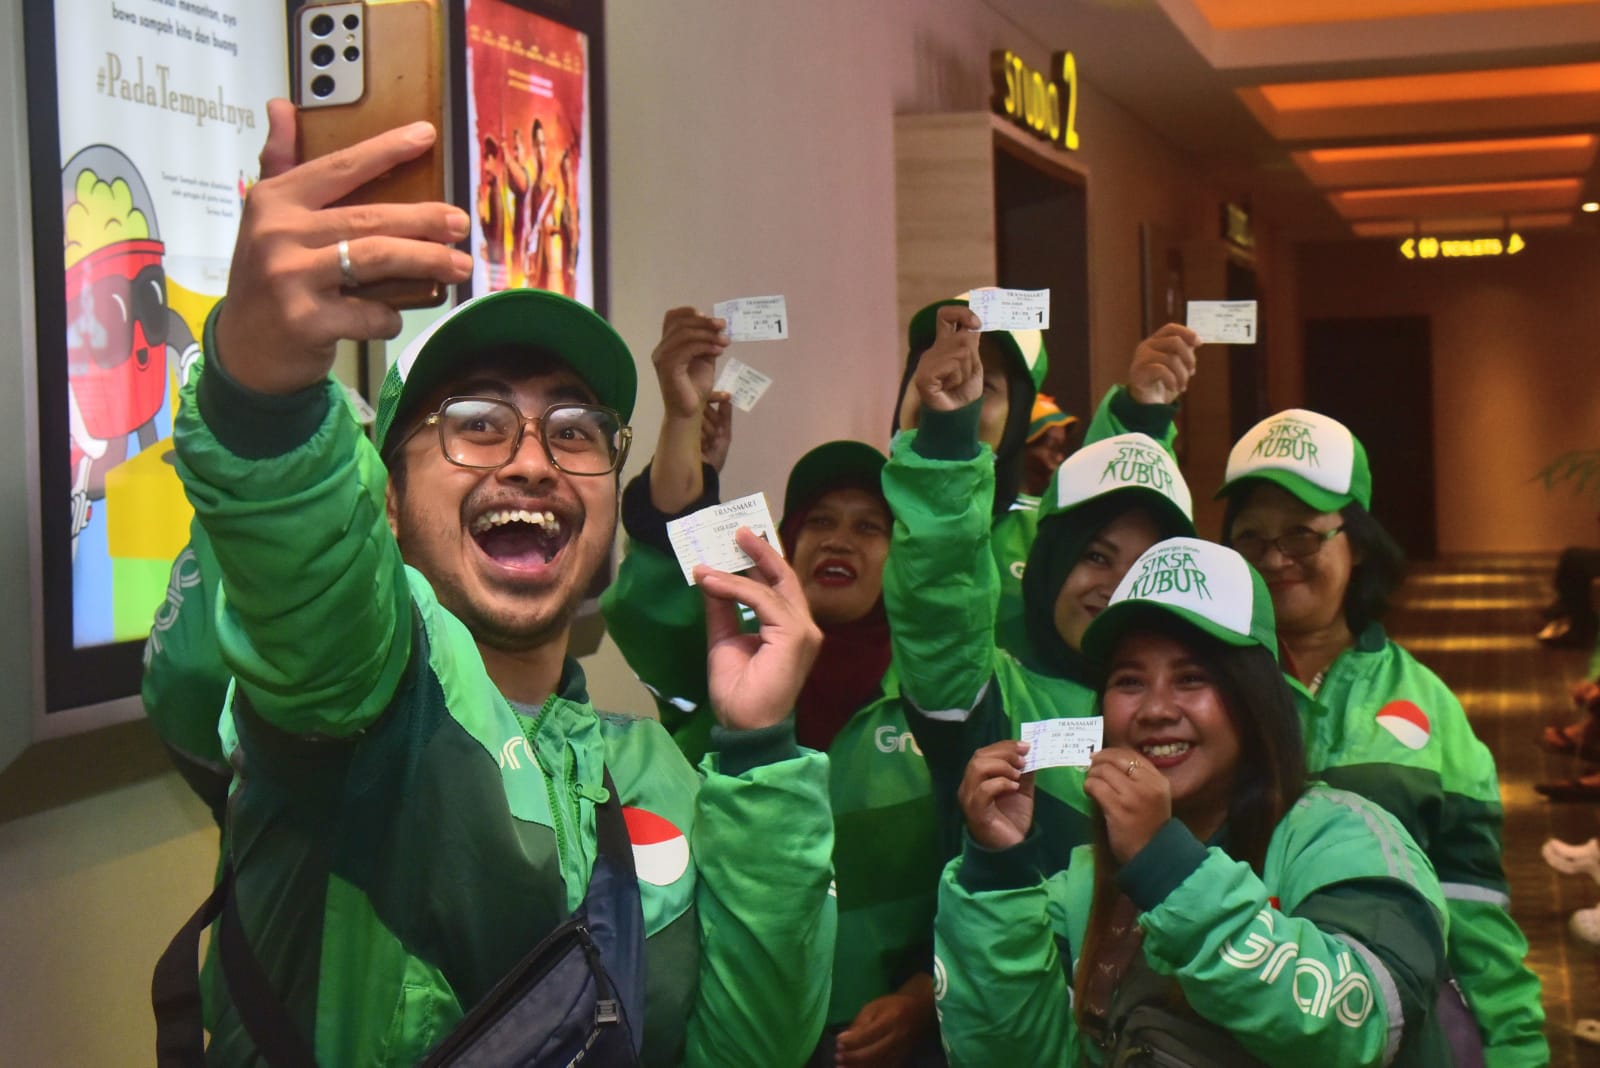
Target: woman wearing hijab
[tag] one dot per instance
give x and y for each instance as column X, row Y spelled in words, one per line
column 835, row 530
column 1112, row 499
column 1298, row 490
column 1227, row 912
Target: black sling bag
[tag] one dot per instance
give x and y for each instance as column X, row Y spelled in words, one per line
column 576, row 998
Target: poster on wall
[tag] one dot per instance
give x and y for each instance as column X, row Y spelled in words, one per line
column 144, row 138
column 530, row 162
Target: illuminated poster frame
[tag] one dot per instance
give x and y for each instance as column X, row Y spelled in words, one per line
column 531, row 60
column 132, row 221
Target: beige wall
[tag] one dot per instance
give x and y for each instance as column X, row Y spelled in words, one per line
column 751, row 152
column 1515, row 380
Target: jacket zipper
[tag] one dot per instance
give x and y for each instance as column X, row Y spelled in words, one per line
column 530, row 732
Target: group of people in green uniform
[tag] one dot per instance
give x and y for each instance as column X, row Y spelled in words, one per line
column 1287, row 850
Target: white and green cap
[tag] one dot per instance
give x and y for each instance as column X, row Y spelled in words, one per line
column 536, row 318
column 1133, row 463
column 1313, row 456
column 1024, row 346
column 1206, row 585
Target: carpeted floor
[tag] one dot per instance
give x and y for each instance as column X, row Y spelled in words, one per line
column 1472, row 619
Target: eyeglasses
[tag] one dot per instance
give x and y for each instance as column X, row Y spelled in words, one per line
column 485, row 433
column 1298, row 544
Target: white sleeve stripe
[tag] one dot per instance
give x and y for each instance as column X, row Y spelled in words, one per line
column 947, row 715
column 1391, row 996
column 1469, row 892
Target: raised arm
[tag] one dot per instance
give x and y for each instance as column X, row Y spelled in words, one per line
column 1158, row 377
column 281, row 479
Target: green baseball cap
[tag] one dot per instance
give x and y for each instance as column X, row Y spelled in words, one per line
column 537, row 318
column 1313, row 456
column 1025, row 347
column 828, row 465
column 1206, row 585
column 1134, row 464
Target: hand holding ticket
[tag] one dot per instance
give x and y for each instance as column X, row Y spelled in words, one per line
column 1011, row 309
column 1062, row 743
column 743, row 383
column 1223, row 322
column 754, row 318
column 706, row 536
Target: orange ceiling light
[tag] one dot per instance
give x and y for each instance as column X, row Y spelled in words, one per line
column 1504, row 84
column 1487, row 198
column 1450, row 162
column 1259, row 14
column 1389, row 153
column 1486, row 225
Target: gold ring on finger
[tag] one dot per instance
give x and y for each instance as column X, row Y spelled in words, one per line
column 346, row 271
column 1132, row 767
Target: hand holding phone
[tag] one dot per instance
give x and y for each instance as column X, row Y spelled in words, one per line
column 362, row 68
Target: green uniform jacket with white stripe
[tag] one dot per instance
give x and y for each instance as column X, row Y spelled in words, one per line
column 402, row 835
column 1333, row 956
column 1439, row 780
column 960, row 691
column 886, row 862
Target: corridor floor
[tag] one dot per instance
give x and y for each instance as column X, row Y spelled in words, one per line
column 1472, row 619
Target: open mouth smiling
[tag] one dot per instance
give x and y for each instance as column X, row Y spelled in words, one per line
column 520, row 539
column 834, row 572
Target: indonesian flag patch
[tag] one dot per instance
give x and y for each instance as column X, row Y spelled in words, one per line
column 1407, row 722
column 660, row 851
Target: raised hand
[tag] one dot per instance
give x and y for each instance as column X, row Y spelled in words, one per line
column 754, row 679
column 286, row 304
column 997, row 796
column 686, row 360
column 1163, row 364
column 1135, row 804
column 950, row 374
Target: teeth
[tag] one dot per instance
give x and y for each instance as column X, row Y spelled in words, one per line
column 490, row 520
column 1170, row 749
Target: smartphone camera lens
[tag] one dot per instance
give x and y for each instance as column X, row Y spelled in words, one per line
column 322, row 86
column 352, row 21
column 322, row 55
column 322, row 25
column 352, row 54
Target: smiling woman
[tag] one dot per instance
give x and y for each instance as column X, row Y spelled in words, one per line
column 1212, row 858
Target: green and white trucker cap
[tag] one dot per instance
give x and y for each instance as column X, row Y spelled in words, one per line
column 1126, row 463
column 1313, row 456
column 1206, row 585
column 1024, row 346
column 536, row 318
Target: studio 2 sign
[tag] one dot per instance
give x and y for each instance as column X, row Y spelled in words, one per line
column 1046, row 108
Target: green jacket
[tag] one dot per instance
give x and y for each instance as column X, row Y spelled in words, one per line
column 1387, row 728
column 959, row 690
column 885, row 857
column 1333, row 956
column 185, row 681
column 402, row 835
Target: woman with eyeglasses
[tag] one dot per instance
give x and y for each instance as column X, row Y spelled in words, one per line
column 1228, row 913
column 1298, row 489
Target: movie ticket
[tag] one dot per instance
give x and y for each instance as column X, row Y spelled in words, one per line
column 743, row 382
column 1011, row 309
column 706, row 536
column 1223, row 322
column 1062, row 743
column 359, row 406
column 754, row 318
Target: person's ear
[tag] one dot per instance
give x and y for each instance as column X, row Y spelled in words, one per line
column 391, row 506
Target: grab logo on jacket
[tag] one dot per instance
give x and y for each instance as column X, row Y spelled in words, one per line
column 660, row 851
column 1316, row 988
column 1407, row 722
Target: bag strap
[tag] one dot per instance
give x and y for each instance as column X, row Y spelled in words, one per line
column 175, row 987
column 615, row 913
column 262, row 1012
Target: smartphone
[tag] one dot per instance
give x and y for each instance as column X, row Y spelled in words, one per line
column 362, row 68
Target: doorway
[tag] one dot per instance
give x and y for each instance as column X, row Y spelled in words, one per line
column 1042, row 242
column 1376, row 377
